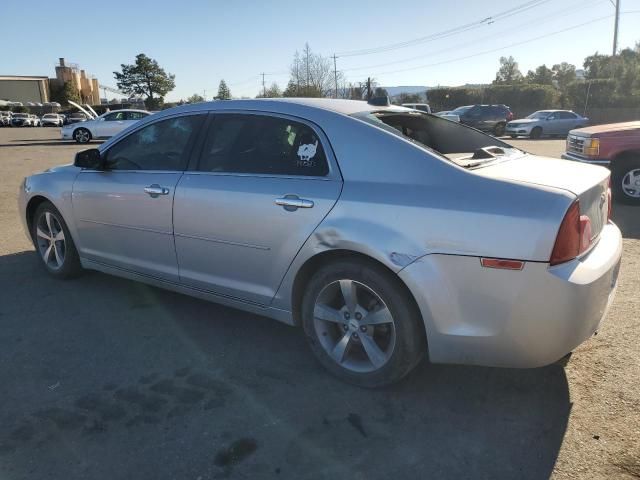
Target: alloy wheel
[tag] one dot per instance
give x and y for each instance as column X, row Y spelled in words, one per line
column 354, row 326
column 50, row 240
column 631, row 183
column 82, row 136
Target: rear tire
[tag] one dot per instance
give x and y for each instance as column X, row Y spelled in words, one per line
column 372, row 341
column 625, row 180
column 53, row 242
column 499, row 129
column 536, row 133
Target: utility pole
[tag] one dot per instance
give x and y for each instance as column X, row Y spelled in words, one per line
column 264, row 88
column 335, row 74
column 368, row 88
column 204, row 94
column 615, row 28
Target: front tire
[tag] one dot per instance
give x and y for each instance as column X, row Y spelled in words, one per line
column 626, row 180
column 53, row 242
column 82, row 135
column 362, row 324
column 536, row 133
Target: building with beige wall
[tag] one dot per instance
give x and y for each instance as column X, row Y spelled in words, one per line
column 16, row 88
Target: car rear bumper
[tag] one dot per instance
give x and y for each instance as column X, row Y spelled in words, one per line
column 513, row 318
column 594, row 161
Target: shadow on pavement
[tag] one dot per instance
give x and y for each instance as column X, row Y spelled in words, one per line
column 103, row 377
column 627, row 217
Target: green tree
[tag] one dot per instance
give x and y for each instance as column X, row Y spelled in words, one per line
column 542, row 76
column 564, row 73
column 380, row 92
column 63, row 93
column 410, row 98
column 223, row 91
column 271, row 92
column 508, row 73
column 145, row 77
column 195, row 98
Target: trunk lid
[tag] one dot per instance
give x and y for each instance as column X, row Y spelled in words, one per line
column 588, row 182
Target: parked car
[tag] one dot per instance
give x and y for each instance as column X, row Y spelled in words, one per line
column 487, row 118
column 35, row 120
column 448, row 115
column 377, row 229
column 546, row 122
column 21, row 120
column 423, row 107
column 77, row 117
column 52, row 119
column 104, row 126
column 615, row 146
column 5, row 119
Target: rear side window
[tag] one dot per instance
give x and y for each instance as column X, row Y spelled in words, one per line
column 261, row 144
column 161, row 145
column 567, row 115
column 136, row 115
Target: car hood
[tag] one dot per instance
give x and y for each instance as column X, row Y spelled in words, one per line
column 609, row 129
column 573, row 177
column 61, row 168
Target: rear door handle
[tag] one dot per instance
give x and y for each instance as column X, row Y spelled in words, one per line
column 293, row 202
column 155, row 190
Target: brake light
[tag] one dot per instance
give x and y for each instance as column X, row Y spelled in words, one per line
column 574, row 236
column 509, row 116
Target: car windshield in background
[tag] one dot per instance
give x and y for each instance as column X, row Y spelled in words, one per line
column 21, row 115
column 539, row 115
column 456, row 142
column 50, row 115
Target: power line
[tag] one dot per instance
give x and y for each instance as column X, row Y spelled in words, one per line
column 533, row 22
column 446, row 33
column 557, row 32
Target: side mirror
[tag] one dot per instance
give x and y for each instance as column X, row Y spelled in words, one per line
column 90, row 159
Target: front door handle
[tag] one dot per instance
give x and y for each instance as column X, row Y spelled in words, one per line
column 156, row 190
column 293, row 202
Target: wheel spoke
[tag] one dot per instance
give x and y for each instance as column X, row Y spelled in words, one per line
column 328, row 314
column 59, row 237
column 57, row 254
column 47, row 253
column 42, row 234
column 376, row 356
column 47, row 217
column 378, row 317
column 348, row 289
column 340, row 349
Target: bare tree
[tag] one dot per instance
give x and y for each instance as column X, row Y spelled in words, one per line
column 312, row 75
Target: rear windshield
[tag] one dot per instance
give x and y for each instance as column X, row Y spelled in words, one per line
column 462, row 110
column 453, row 140
column 21, row 115
column 50, row 115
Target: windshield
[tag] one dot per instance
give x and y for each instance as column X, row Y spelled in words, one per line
column 541, row 115
column 20, row 115
column 462, row 110
column 50, row 115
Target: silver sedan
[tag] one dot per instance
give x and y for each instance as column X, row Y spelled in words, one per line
column 385, row 233
column 546, row 122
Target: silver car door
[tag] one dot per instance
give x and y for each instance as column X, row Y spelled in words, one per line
column 124, row 214
column 262, row 185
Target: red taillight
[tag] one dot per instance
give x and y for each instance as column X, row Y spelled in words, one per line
column 574, row 236
column 509, row 116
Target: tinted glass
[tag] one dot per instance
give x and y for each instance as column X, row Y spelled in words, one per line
column 160, row 146
column 136, row 115
column 115, row 116
column 567, row 115
column 262, row 145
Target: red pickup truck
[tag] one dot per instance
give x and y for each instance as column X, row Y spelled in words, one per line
column 616, row 146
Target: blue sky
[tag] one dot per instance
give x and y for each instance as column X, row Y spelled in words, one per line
column 203, row 41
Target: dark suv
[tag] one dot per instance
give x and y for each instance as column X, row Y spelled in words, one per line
column 488, row 118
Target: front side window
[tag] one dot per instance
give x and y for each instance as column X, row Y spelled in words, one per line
column 115, row 116
column 261, row 144
column 162, row 145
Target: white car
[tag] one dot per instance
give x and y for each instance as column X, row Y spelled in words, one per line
column 5, row 119
column 49, row 119
column 423, row 107
column 104, row 126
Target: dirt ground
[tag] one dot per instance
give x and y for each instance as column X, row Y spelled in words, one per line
column 105, row 378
